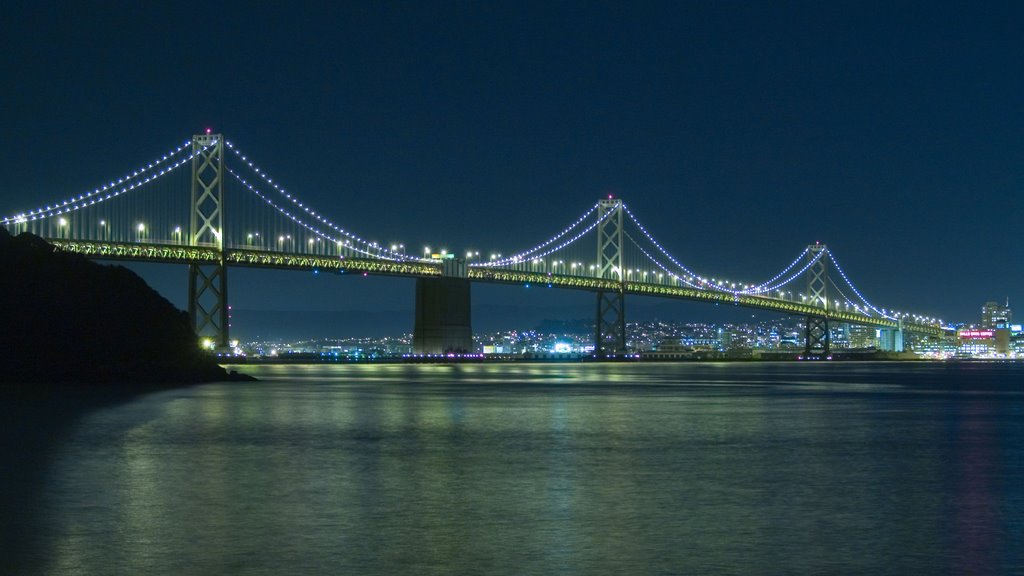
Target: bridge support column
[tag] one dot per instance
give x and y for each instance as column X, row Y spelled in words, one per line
column 443, row 319
column 208, row 283
column 817, row 337
column 610, row 328
column 898, row 345
column 891, row 339
column 610, row 324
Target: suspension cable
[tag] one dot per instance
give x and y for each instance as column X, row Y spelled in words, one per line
column 854, row 288
column 531, row 253
column 391, row 255
column 87, row 199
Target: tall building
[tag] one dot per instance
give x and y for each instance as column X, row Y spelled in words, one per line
column 994, row 314
column 863, row 336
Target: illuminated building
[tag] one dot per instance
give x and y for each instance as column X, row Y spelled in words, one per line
column 1017, row 340
column 976, row 342
column 994, row 314
column 863, row 336
column 995, row 342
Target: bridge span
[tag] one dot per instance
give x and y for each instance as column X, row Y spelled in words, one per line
column 143, row 216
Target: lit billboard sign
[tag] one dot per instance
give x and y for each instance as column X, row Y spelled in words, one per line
column 976, row 334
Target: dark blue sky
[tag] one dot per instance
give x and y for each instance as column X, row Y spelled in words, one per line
column 738, row 131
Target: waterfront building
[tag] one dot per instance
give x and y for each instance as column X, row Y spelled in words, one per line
column 981, row 343
column 937, row 347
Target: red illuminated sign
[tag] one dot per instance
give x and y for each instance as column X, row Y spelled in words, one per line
column 976, row 334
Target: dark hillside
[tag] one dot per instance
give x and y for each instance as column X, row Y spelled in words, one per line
column 65, row 319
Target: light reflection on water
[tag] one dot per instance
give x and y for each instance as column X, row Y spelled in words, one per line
column 549, row 468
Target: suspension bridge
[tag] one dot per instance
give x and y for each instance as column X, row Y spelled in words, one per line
column 208, row 205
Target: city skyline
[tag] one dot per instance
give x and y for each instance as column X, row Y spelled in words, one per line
column 740, row 134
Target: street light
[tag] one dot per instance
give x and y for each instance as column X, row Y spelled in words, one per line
column 142, row 230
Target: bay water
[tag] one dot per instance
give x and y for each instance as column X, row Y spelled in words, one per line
column 543, row 468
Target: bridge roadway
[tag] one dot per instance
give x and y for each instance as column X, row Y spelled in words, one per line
column 180, row 254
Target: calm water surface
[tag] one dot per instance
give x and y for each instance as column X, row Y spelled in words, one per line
column 546, row 469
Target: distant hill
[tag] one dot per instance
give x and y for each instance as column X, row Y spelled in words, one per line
column 65, row 319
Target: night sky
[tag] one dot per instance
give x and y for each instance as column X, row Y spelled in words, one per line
column 739, row 132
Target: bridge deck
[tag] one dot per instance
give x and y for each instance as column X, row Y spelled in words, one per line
column 172, row 253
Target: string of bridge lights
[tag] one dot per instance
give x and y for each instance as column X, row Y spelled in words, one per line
column 844, row 296
column 131, row 182
column 794, row 276
column 315, row 231
column 663, row 267
column 537, row 257
column 854, row 288
column 526, row 254
column 80, row 201
column 757, row 289
column 657, row 245
column 761, row 288
column 266, row 178
column 531, row 254
column 703, row 284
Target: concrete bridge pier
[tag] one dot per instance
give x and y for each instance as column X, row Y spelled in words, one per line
column 891, row 339
column 443, row 320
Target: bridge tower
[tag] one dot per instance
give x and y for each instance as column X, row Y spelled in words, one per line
column 208, row 283
column 816, row 330
column 610, row 325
